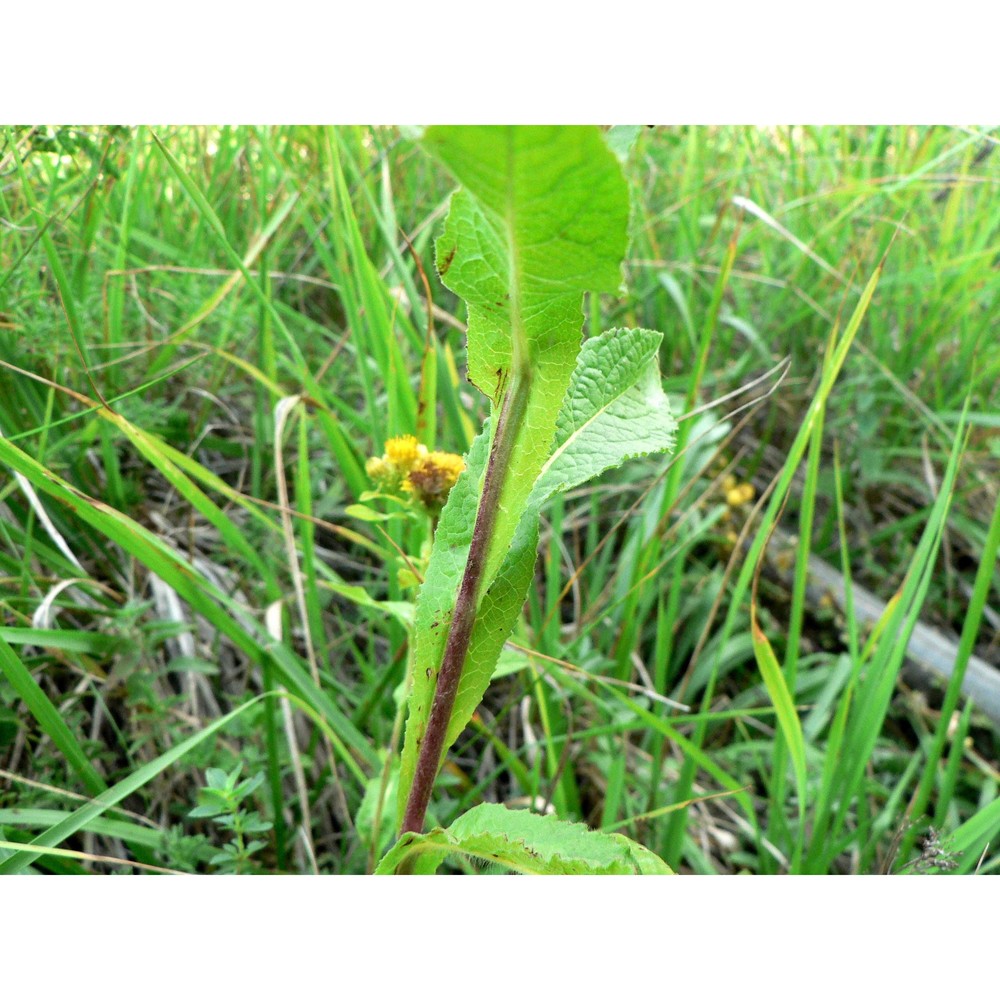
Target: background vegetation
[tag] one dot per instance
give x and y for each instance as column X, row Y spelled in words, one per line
column 208, row 331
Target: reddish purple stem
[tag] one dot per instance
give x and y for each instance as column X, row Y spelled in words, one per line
column 466, row 604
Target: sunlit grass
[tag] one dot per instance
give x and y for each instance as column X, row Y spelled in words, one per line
column 208, row 332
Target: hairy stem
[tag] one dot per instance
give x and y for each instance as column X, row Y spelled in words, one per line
column 508, row 425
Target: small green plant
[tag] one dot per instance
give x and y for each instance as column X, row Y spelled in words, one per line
column 540, row 220
column 222, row 800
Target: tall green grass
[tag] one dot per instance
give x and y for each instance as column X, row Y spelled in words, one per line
column 207, row 331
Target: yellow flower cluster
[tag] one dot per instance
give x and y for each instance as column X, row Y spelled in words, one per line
column 404, row 451
column 432, row 477
column 737, row 494
column 407, row 465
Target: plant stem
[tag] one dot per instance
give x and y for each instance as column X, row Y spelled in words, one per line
column 508, row 425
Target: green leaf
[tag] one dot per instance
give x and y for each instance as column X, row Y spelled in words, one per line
column 363, row 513
column 376, row 816
column 784, row 705
column 971, row 839
column 541, row 219
column 248, row 786
column 402, row 611
column 615, row 409
column 436, row 602
column 425, row 852
column 82, row 818
column 646, row 861
column 525, row 843
column 69, row 640
column 48, row 717
column 216, row 778
column 200, row 812
column 133, row 833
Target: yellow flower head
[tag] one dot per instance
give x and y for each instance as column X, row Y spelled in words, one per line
column 407, row 465
column 379, row 471
column 432, row 477
column 403, row 451
column 738, row 495
column 390, row 471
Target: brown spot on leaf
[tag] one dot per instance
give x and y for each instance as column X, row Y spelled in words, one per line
column 446, row 263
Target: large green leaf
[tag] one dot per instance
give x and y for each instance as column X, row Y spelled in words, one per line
column 541, row 219
column 615, row 409
column 525, row 843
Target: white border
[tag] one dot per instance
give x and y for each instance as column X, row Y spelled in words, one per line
column 499, row 936
column 538, row 61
